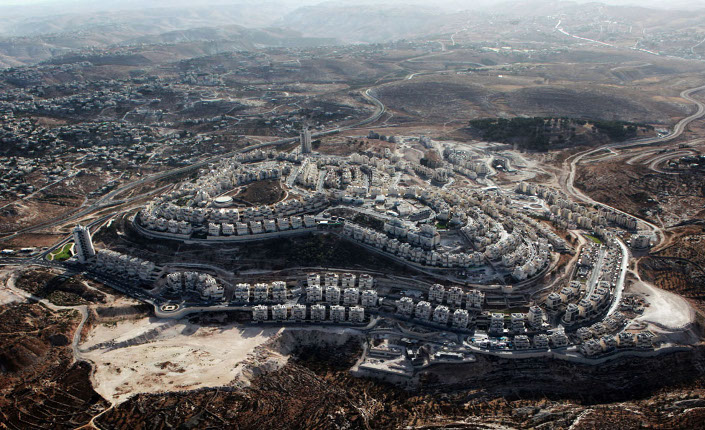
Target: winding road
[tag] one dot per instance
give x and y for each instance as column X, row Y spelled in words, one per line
column 677, row 131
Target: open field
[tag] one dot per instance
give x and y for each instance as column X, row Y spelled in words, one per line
column 182, row 356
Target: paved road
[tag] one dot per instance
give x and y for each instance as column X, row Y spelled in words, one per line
column 619, row 289
column 674, row 134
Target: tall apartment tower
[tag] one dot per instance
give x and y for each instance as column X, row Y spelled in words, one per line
column 84, row 243
column 305, row 138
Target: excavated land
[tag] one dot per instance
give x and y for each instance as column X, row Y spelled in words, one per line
column 147, row 355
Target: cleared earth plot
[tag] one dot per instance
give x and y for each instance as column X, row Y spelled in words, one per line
column 151, row 356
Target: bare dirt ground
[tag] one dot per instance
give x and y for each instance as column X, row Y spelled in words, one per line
column 31, row 240
column 7, row 295
column 150, row 356
column 464, row 96
column 667, row 314
column 262, row 193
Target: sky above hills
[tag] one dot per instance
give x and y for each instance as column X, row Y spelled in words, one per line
column 451, row 4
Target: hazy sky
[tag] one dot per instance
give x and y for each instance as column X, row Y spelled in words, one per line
column 449, row 4
column 147, row 3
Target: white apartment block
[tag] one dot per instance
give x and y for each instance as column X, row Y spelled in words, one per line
column 572, row 313
column 644, row 340
column 455, row 296
column 348, row 280
column 351, row 296
column 242, row 293
column 423, row 310
column 405, row 306
column 441, row 314
column 474, row 299
column 84, row 243
column 314, row 293
column 366, row 281
column 260, row 313
column 608, row 342
column 584, row 334
column 461, row 318
column 337, row 313
column 554, row 300
column 436, row 293
column 626, row 340
column 591, row 348
column 174, row 283
column 261, row 292
column 209, row 289
column 368, row 298
column 559, row 339
column 496, row 323
column 280, row 313
column 313, row 279
column 279, row 291
column 357, row 314
column 541, row 341
column 331, row 279
column 517, row 322
column 333, row 295
column 535, row 317
column 318, row 312
column 298, row 312
column 521, row 341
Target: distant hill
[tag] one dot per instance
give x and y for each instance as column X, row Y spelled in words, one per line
column 266, row 37
column 31, row 50
column 30, row 34
column 367, row 23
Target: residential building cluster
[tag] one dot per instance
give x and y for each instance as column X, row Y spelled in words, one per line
column 203, row 284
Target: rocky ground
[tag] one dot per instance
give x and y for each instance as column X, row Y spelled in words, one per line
column 41, row 385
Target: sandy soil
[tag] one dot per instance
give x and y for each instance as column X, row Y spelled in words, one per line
column 668, row 313
column 8, row 296
column 164, row 355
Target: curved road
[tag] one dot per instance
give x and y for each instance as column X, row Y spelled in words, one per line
column 674, row 134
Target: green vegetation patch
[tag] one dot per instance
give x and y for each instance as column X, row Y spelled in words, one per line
column 63, row 253
column 544, row 133
column 594, row 239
